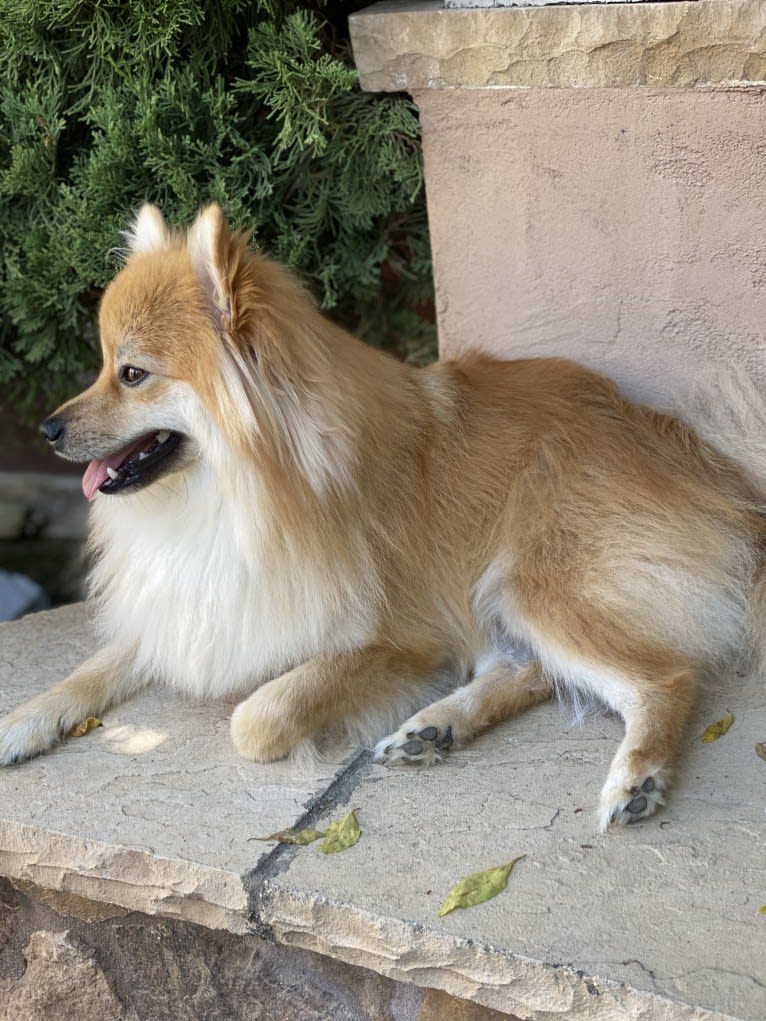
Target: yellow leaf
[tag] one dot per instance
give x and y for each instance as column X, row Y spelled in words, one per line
column 716, row 730
column 762, row 909
column 293, row 836
column 478, row 887
column 341, row 835
column 87, row 725
column 760, row 750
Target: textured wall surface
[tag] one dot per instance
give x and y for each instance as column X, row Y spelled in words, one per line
column 624, row 228
column 595, row 176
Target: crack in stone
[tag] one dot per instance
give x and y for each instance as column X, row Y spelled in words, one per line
column 278, row 860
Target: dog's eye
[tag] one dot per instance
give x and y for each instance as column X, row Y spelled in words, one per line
column 131, row 374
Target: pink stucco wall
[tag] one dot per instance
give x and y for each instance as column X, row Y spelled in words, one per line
column 625, row 228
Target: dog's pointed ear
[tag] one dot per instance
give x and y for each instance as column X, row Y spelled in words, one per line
column 148, row 232
column 211, row 253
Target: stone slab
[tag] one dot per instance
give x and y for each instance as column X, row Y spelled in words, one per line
column 413, row 45
column 154, row 813
column 155, row 810
column 659, row 920
column 462, row 4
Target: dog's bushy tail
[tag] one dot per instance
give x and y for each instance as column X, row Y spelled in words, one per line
column 729, row 412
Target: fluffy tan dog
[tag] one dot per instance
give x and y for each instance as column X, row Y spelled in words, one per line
column 282, row 513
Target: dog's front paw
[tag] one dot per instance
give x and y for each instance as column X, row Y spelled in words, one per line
column 622, row 804
column 258, row 732
column 24, row 734
column 418, row 747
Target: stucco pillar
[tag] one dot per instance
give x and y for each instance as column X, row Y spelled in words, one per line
column 596, row 178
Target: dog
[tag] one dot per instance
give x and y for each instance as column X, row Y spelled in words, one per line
column 283, row 514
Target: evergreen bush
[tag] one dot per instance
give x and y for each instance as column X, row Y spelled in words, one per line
column 252, row 103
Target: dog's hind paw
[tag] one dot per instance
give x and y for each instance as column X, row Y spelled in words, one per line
column 410, row 747
column 622, row 806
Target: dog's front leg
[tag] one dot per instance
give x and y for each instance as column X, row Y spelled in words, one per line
column 323, row 691
column 41, row 723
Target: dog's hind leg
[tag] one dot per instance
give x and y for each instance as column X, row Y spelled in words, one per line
column 640, row 771
column 495, row 695
column 39, row 724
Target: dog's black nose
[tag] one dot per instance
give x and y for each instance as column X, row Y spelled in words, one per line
column 52, row 429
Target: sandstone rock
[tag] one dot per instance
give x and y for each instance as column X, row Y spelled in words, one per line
column 62, row 982
column 421, row 45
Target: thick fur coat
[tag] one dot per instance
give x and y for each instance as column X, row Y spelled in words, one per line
column 283, row 514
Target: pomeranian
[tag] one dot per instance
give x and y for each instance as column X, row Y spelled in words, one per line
column 283, row 514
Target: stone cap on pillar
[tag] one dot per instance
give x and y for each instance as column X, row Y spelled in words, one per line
column 462, row 4
column 411, row 45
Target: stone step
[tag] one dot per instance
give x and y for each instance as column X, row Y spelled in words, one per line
column 154, row 814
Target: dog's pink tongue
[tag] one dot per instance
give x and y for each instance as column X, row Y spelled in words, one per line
column 96, row 473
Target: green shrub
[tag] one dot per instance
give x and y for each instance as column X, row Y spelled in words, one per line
column 251, row 103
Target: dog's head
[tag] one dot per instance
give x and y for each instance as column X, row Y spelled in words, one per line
column 194, row 329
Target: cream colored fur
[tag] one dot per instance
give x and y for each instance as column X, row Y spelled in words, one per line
column 344, row 537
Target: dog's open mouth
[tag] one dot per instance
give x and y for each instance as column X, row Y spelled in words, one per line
column 136, row 465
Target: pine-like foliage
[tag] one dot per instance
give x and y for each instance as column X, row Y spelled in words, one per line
column 255, row 104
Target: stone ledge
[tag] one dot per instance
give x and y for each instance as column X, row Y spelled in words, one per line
column 410, row 952
column 653, row 921
column 153, row 813
column 60, row 966
column 412, row 45
column 462, row 4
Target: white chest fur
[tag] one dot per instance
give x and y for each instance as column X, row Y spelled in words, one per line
column 190, row 592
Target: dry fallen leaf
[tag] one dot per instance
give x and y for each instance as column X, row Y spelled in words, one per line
column 478, row 887
column 760, row 750
column 762, row 909
column 83, row 728
column 294, row 836
column 341, row 835
column 716, row 730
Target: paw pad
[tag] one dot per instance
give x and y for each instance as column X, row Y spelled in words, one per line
column 415, row 747
column 639, row 802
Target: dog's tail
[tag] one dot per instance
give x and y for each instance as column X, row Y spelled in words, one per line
column 729, row 412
